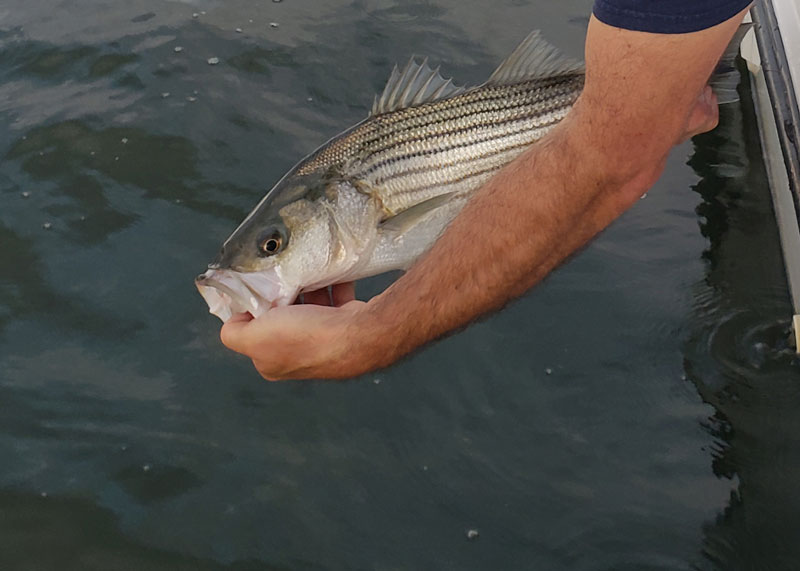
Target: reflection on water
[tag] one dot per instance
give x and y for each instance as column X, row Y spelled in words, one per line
column 259, row 60
column 739, row 355
column 81, row 162
column 83, row 537
column 25, row 293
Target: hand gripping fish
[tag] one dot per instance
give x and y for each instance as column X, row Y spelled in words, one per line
column 376, row 197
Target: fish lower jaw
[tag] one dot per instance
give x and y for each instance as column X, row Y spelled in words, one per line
column 228, row 292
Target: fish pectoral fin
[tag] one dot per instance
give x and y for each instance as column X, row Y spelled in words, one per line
column 410, row 217
column 415, row 85
column 534, row 58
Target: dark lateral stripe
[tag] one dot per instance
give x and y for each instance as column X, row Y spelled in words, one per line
column 464, row 112
column 452, row 147
column 387, row 128
column 520, row 146
column 394, row 143
column 531, row 92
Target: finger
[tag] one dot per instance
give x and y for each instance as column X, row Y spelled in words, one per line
column 233, row 333
column 343, row 293
column 262, row 370
column 319, row 297
column 269, row 373
column 246, row 316
column 704, row 116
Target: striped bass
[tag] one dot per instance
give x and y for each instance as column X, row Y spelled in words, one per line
column 377, row 196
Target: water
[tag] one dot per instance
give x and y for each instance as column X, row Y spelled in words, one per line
column 636, row 411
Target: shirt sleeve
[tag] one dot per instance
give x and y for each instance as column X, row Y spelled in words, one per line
column 667, row 16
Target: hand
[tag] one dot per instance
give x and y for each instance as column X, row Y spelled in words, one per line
column 704, row 115
column 310, row 340
column 336, row 296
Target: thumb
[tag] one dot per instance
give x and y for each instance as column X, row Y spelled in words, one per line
column 234, row 332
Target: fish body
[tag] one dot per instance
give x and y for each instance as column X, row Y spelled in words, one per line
column 377, row 196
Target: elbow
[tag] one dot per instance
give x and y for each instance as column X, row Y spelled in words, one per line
column 629, row 149
column 635, row 179
column 628, row 174
column 628, row 169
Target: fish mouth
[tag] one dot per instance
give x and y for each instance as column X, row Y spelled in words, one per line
column 228, row 292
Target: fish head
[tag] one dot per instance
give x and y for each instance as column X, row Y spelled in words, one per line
column 297, row 239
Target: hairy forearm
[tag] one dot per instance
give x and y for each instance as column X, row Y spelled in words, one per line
column 514, row 231
column 642, row 96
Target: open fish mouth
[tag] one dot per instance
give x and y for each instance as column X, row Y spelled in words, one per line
column 228, row 292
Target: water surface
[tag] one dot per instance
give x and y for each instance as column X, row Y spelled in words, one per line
column 636, row 411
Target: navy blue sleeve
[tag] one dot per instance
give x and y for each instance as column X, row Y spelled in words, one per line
column 667, row 16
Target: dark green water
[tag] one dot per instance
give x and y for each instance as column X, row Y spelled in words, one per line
column 638, row 411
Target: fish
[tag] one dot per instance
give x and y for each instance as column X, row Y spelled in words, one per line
column 377, row 196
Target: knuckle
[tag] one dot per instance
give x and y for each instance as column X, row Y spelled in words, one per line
column 224, row 336
column 231, row 339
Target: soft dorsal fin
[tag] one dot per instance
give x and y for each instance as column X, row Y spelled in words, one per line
column 534, row 58
column 415, row 85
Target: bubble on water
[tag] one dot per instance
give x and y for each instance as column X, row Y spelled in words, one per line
column 472, row 534
column 238, row 30
column 116, row 158
column 195, row 15
column 424, row 468
column 92, row 153
column 26, row 194
column 213, row 61
column 43, row 494
column 277, row 1
column 47, row 225
column 377, row 381
column 310, row 99
column 146, row 468
column 165, row 95
column 274, row 24
column 191, row 99
column 124, row 140
column 548, row 371
column 177, row 49
column 202, row 12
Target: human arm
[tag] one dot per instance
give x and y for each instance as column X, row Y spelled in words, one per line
column 643, row 94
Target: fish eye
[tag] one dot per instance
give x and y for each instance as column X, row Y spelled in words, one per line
column 270, row 243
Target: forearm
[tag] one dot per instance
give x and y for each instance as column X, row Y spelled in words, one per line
column 523, row 223
column 644, row 93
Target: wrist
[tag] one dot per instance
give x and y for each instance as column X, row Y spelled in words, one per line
column 368, row 341
column 354, row 343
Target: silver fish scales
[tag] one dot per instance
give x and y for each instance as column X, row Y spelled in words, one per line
column 377, row 196
column 454, row 145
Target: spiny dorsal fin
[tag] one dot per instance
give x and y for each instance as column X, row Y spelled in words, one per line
column 534, row 58
column 415, row 85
